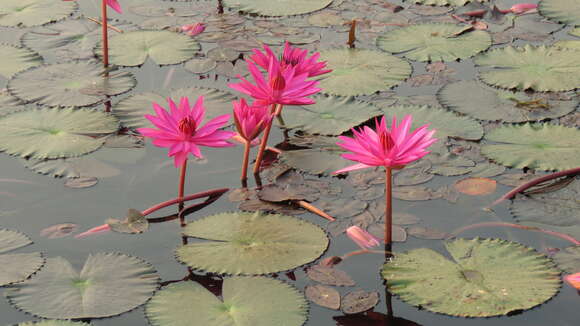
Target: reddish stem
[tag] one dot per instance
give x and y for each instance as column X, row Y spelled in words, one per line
column 184, row 199
column 245, row 162
column 182, row 174
column 105, row 33
column 313, row 209
column 364, row 251
column 516, row 226
column 276, row 108
column 388, row 206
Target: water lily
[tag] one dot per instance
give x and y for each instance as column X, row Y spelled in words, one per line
column 292, row 57
column 573, row 280
column 193, row 29
column 392, row 148
column 521, row 8
column 114, row 4
column 362, row 238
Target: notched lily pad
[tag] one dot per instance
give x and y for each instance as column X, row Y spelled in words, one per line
column 568, row 259
column 281, row 7
column 16, row 267
column 27, row 13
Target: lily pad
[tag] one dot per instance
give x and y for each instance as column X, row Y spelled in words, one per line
column 277, row 8
column 246, row 301
column 315, row 161
column 539, row 68
column 16, row 267
column 323, row 296
column 131, row 111
column 331, row 115
column 456, row 3
column 561, row 11
column 537, row 146
column 163, row 47
column 359, row 301
column 476, row 186
column 53, row 323
column 568, row 259
column 108, row 285
column 73, row 84
column 251, row 243
column 15, row 59
column 486, row 277
column 26, row 13
column 434, row 42
column 135, row 222
column 54, row 133
column 361, row 71
column 329, row 276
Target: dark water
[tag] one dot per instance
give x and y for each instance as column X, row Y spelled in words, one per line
column 147, row 177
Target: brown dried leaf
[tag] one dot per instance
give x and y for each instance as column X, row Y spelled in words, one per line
column 359, row 301
column 323, row 296
column 476, row 186
column 329, row 276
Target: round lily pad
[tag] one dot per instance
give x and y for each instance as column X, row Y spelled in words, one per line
column 54, row 133
column 15, row 59
column 74, row 84
column 456, row 3
column 53, row 323
column 537, row 146
column 561, row 11
column 278, row 7
column 246, row 301
column 131, row 111
column 108, row 285
column 251, row 243
column 26, row 13
column 16, row 267
column 568, row 259
column 486, row 277
column 539, row 68
column 163, row 47
column 486, row 103
column 315, row 161
column 331, row 115
column 361, row 71
column 434, row 42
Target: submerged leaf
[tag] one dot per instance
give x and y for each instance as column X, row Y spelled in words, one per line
column 329, row 276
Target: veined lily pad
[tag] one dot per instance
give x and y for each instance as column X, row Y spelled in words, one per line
column 331, row 115
column 277, row 8
column 15, row 59
column 361, row 71
column 26, row 13
column 53, row 323
column 163, row 47
column 486, row 103
column 568, row 259
column 486, row 277
column 246, row 301
column 74, row 84
column 456, row 3
column 539, row 68
column 108, row 285
column 54, row 133
column 251, row 243
column 538, row 146
column 568, row 44
column 16, row 267
column 131, row 110
column 434, row 42
column 561, row 11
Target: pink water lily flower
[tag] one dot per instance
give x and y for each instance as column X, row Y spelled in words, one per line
column 364, row 239
column 283, row 86
column 251, row 120
column 392, row 148
column 193, row 29
column 573, row 280
column 521, row 8
column 292, row 57
column 180, row 129
column 114, row 4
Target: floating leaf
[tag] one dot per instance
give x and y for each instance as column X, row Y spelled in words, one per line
column 200, row 65
column 315, row 161
column 251, row 243
column 561, row 11
column 487, row 277
column 163, row 47
column 434, row 42
column 15, row 59
column 487, row 170
column 359, row 301
column 361, row 71
column 26, row 13
column 378, row 230
column 59, row 230
column 329, row 276
column 16, row 267
column 426, row 233
column 82, row 182
column 456, row 3
column 538, row 146
column 331, row 115
column 568, row 44
column 476, row 186
column 344, row 207
column 135, row 222
column 486, row 103
column 52, row 133
column 109, row 284
column 53, row 323
column 539, row 68
column 323, row 296
column 69, row 84
column 568, row 259
column 282, row 7
column 246, row 301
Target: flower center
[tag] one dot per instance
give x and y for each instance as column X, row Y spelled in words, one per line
column 278, row 84
column 187, row 126
column 386, row 141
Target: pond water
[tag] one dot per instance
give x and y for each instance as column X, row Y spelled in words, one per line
column 141, row 177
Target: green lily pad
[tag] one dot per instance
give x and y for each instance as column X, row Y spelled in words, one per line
column 278, row 7
column 361, row 71
column 15, row 59
column 251, row 243
column 487, row 103
column 331, row 115
column 568, row 44
column 26, row 13
column 163, row 47
column 135, row 222
column 75, row 84
column 540, row 68
column 54, row 133
column 315, row 161
column 486, row 277
column 568, row 259
column 575, row 32
column 447, row 123
column 246, row 301
column 456, row 3
column 16, row 267
column 108, row 285
column 537, row 146
column 8, row 103
column 558, row 210
column 434, row 42
column 131, row 110
column 53, row 323
column 561, row 11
